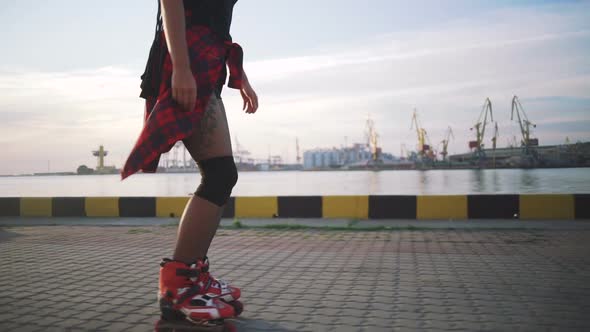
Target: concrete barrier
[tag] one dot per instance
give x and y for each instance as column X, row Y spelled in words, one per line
column 422, row 207
column 441, row 207
column 547, row 207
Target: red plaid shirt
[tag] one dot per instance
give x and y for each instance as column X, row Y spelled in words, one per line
column 165, row 122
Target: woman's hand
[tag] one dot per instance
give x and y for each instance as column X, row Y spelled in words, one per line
column 249, row 96
column 184, row 88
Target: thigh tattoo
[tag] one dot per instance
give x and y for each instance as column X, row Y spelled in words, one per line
column 208, row 124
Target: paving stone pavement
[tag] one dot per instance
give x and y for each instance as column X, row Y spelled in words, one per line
column 75, row 278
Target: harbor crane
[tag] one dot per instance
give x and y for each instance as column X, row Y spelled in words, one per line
column 297, row 149
column 424, row 149
column 403, row 153
column 445, row 143
column 480, row 129
column 494, row 141
column 241, row 155
column 495, row 138
column 524, row 123
column 372, row 139
column 177, row 146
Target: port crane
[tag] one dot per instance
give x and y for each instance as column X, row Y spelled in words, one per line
column 403, row 153
column 241, row 155
column 480, row 129
column 177, row 146
column 424, row 149
column 494, row 141
column 297, row 148
column 445, row 143
column 372, row 139
column 524, row 123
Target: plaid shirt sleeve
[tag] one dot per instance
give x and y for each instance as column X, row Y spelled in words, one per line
column 235, row 63
column 165, row 123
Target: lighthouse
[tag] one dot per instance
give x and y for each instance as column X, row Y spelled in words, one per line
column 101, row 153
column 100, row 167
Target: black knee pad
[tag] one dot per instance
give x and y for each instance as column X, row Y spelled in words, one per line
column 218, row 177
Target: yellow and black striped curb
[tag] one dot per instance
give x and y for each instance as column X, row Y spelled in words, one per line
column 541, row 206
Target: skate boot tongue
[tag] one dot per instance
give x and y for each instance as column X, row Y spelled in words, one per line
column 204, row 278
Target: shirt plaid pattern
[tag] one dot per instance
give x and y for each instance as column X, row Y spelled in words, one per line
column 165, row 122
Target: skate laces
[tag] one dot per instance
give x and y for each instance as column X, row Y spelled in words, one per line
column 207, row 278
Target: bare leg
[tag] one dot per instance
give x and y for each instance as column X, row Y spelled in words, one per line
column 200, row 218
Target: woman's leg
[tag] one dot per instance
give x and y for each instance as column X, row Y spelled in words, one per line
column 210, row 147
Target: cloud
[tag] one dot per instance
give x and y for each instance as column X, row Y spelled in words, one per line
column 445, row 71
column 66, row 114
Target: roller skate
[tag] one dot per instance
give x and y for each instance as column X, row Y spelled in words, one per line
column 220, row 288
column 183, row 298
column 185, row 326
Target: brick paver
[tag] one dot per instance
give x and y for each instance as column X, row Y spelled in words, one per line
column 105, row 278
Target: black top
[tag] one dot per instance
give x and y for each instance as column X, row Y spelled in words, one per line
column 216, row 14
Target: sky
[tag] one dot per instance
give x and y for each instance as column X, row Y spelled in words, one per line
column 69, row 74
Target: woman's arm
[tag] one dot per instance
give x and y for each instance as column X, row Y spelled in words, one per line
column 248, row 95
column 184, row 87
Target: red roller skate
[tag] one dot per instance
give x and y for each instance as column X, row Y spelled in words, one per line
column 220, row 288
column 182, row 296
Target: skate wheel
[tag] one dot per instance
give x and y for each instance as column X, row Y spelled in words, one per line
column 188, row 326
column 168, row 314
column 229, row 327
column 238, row 307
